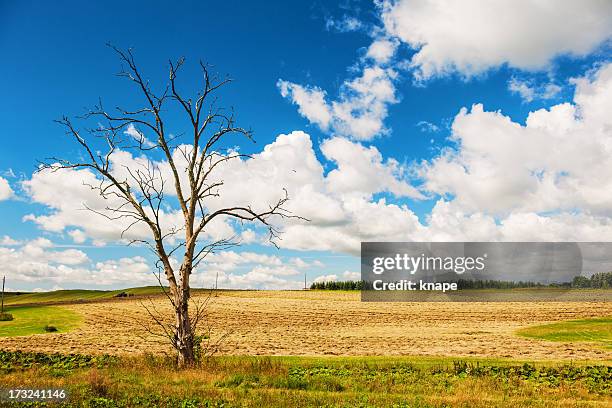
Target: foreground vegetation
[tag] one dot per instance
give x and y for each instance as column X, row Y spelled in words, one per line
column 598, row 331
column 301, row 381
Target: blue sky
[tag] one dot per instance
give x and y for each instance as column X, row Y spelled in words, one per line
column 56, row 62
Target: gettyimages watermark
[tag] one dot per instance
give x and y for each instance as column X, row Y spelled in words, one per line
column 486, row 271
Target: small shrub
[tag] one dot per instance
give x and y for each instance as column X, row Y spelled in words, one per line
column 50, row 329
column 5, row 317
column 98, row 384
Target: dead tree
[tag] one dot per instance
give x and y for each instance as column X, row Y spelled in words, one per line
column 141, row 196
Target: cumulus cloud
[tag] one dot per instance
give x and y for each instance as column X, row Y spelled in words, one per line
column 6, row 191
column 500, row 174
column 310, row 101
column 38, row 261
column 522, row 88
column 258, row 278
column 77, row 236
column 361, row 107
column 250, row 270
column 546, row 179
column 81, row 207
column 449, row 37
column 470, row 37
column 39, row 249
column 326, row 278
column 348, row 275
column 8, row 241
column 382, row 50
column 229, row 260
column 528, row 91
column 362, row 171
column 559, row 160
column 337, row 204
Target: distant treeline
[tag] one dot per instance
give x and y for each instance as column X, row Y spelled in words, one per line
column 498, row 284
column 596, row 281
column 343, row 285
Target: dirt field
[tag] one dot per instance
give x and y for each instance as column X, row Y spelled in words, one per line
column 334, row 323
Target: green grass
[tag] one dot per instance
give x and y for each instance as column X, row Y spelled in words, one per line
column 32, row 320
column 242, row 381
column 74, row 295
column 597, row 330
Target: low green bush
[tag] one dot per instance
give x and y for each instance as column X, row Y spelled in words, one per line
column 5, row 317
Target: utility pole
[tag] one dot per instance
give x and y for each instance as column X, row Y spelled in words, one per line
column 216, row 280
column 2, row 307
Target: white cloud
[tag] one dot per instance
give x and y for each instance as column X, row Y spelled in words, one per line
column 560, row 160
column 449, row 37
column 428, row 127
column 382, row 50
column 77, row 236
column 72, row 207
column 326, row 278
column 529, row 91
column 8, row 241
column 6, row 191
column 138, row 136
column 248, row 236
column 336, row 204
column 122, row 270
column 363, row 220
column 310, row 101
column 299, row 262
column 502, row 180
column 38, row 261
column 361, row 171
column 348, row 275
column 550, row 91
column 360, row 109
column 229, row 260
column 39, row 249
column 545, row 180
column 246, row 269
column 344, row 24
column 258, row 277
column 522, row 88
column 470, row 37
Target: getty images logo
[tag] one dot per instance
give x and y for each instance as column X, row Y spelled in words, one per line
column 412, row 264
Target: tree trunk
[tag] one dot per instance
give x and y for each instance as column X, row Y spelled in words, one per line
column 184, row 332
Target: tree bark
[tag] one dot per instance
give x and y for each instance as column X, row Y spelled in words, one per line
column 184, row 331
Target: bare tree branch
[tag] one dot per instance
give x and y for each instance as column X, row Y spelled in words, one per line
column 139, row 194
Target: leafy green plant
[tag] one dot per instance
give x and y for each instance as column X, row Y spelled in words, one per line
column 19, row 360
